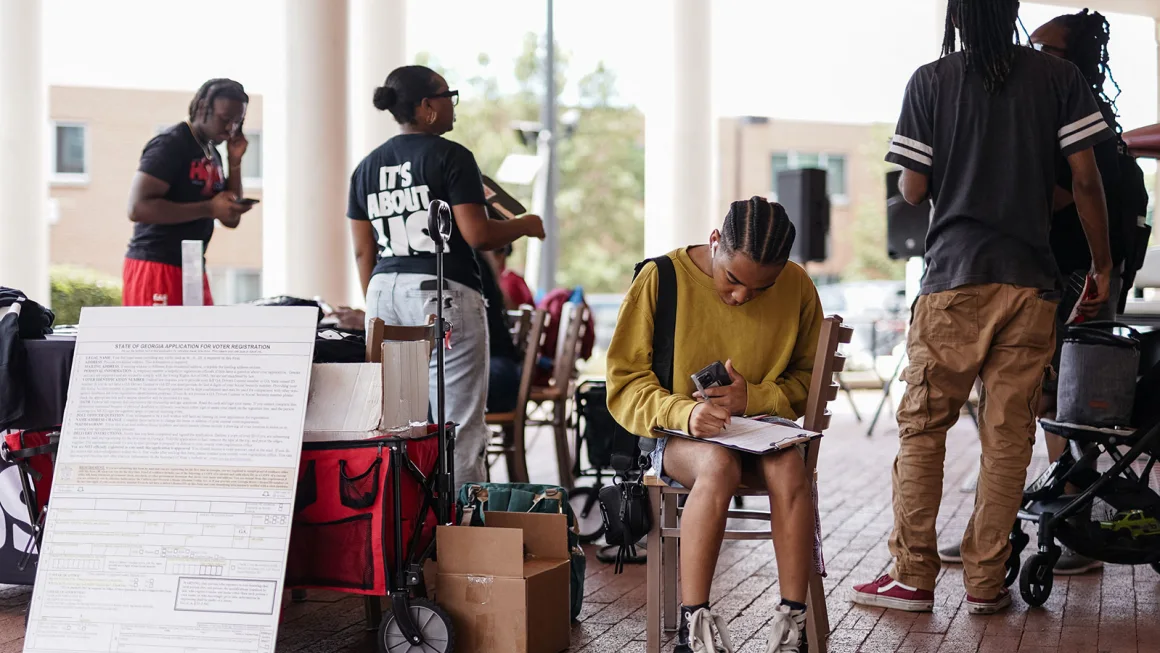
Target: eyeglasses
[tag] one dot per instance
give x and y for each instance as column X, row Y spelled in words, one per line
column 451, row 95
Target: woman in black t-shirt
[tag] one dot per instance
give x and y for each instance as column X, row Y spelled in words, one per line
column 390, row 192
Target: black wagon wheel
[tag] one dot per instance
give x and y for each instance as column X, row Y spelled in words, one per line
column 1019, row 541
column 433, row 623
column 1036, row 579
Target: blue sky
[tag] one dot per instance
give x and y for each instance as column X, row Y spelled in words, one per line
column 833, row 60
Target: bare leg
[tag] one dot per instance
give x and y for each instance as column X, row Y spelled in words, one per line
column 1055, row 444
column 791, row 513
column 713, row 474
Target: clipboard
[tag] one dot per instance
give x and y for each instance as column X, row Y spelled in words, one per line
column 753, row 436
column 502, row 205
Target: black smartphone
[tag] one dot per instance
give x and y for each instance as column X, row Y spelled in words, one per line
column 246, row 201
column 713, row 376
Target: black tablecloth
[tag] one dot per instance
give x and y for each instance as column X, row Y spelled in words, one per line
column 49, row 365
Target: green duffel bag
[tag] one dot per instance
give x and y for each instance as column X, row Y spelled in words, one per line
column 476, row 498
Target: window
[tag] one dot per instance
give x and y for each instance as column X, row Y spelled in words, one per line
column 833, row 164
column 836, row 175
column 780, row 165
column 234, row 285
column 70, row 153
column 252, row 162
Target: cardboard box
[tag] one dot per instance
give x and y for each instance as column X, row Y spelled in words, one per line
column 357, row 401
column 506, row 585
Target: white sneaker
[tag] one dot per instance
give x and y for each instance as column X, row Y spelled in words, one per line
column 787, row 632
column 705, row 629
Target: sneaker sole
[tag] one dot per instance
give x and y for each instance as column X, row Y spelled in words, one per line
column 989, row 607
column 906, row 605
column 953, row 560
column 1076, row 571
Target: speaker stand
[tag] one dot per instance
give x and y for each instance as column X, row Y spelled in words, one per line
column 850, row 396
column 886, row 394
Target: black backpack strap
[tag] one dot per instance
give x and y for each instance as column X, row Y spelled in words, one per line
column 665, row 321
column 664, row 327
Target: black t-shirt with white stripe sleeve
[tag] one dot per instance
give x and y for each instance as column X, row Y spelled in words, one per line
column 991, row 162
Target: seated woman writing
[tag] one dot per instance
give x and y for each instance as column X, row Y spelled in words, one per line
column 739, row 300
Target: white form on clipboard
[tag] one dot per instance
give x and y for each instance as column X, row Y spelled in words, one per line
column 755, row 436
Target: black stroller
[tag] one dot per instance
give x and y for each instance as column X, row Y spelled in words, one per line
column 1114, row 515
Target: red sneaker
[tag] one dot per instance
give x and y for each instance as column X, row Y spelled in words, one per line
column 889, row 593
column 989, row 606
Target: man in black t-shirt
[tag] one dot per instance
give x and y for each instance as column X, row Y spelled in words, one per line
column 180, row 189
column 978, row 134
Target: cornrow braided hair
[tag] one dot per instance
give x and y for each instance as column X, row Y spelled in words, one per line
column 759, row 228
column 211, row 91
column 1088, row 33
column 989, row 37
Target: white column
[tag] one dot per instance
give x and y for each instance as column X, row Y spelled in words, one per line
column 1156, row 189
column 679, row 170
column 23, row 131
column 308, row 250
column 378, row 30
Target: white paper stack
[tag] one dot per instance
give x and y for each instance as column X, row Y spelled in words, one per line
column 192, row 273
column 345, row 402
column 406, row 375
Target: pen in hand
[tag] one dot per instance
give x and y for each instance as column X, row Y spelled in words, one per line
column 708, row 419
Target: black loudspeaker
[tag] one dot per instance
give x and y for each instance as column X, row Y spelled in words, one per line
column 906, row 225
column 803, row 194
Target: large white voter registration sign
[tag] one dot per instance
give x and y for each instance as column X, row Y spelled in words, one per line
column 169, row 523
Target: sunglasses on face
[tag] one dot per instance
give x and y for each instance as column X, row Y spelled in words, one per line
column 451, row 95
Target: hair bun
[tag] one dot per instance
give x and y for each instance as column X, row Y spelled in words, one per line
column 385, row 98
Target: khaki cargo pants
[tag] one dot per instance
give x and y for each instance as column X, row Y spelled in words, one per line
column 1005, row 336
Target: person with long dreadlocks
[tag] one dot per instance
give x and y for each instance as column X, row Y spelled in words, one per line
column 978, row 134
column 741, row 300
column 181, row 189
column 1082, row 38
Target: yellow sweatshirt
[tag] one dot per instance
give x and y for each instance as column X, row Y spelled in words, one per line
column 771, row 340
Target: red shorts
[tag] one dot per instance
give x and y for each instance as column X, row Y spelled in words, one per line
column 154, row 284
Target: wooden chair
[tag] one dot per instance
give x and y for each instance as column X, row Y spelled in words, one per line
column 380, row 332
column 662, row 597
column 573, row 327
column 511, row 444
column 521, row 321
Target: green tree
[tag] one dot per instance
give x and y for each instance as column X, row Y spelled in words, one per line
column 600, row 205
column 598, row 87
column 869, row 229
column 601, row 200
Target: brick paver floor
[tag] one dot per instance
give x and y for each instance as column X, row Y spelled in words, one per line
column 1114, row 611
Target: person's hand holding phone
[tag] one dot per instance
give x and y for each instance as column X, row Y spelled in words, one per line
column 224, row 208
column 733, row 397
